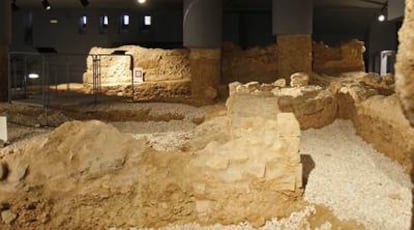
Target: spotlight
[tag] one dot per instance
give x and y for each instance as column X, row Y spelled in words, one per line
column 141, row 1
column 84, row 3
column 14, row 6
column 381, row 18
column 46, row 5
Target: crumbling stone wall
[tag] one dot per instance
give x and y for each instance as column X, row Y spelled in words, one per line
column 405, row 62
column 295, row 54
column 313, row 106
column 258, row 168
column 167, row 74
column 205, row 68
column 378, row 118
column 158, row 65
column 258, row 64
column 182, row 73
column 347, row 57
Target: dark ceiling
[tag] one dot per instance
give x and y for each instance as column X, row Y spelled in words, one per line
column 228, row 4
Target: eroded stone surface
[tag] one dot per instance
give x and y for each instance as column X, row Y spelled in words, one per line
column 299, row 79
column 348, row 57
column 259, row 63
column 157, row 64
column 405, row 61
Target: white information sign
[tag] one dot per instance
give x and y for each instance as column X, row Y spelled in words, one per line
column 3, row 129
column 138, row 75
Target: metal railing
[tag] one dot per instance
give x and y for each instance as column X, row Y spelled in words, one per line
column 57, row 80
column 37, row 74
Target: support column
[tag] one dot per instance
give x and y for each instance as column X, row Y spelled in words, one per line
column 293, row 24
column 202, row 28
column 5, row 38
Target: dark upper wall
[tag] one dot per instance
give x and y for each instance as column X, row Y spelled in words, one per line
column 65, row 36
column 248, row 29
column 244, row 27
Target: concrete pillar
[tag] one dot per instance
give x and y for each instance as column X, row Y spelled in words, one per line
column 293, row 24
column 202, row 34
column 5, row 39
column 395, row 9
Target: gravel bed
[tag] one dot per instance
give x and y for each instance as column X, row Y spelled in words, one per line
column 356, row 181
column 297, row 220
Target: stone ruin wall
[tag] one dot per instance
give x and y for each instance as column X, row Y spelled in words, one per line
column 347, row 57
column 263, row 64
column 260, row 64
column 405, row 60
column 365, row 99
column 167, row 73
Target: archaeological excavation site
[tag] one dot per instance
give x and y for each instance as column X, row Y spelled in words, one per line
column 206, row 114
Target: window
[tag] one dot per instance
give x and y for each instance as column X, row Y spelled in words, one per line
column 125, row 20
column 124, row 23
column 104, row 22
column 147, row 20
column 83, row 21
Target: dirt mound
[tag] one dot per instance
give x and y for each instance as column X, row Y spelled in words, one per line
column 74, row 152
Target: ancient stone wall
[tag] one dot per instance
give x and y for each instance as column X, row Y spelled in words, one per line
column 405, row 61
column 295, row 54
column 258, row 64
column 378, row 118
column 313, row 106
column 347, row 57
column 158, row 65
column 205, row 69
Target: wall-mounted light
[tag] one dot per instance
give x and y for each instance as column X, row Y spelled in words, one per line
column 141, row 1
column 84, row 3
column 33, row 76
column 381, row 18
column 54, row 21
column 46, row 5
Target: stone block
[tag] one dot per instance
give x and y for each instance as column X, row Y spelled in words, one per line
column 288, row 126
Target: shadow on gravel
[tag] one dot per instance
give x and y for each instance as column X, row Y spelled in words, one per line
column 308, row 165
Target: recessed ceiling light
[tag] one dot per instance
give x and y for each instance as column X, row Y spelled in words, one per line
column 46, row 5
column 141, row 1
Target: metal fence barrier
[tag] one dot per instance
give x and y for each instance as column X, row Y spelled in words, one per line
column 56, row 80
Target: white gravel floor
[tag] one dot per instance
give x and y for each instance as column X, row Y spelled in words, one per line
column 356, row 181
column 296, row 221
